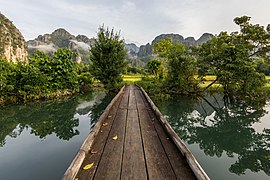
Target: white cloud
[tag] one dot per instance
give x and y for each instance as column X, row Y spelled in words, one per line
column 139, row 21
column 81, row 45
column 44, row 47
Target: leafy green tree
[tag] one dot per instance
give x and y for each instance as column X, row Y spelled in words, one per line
column 153, row 66
column 107, row 56
column 61, row 69
column 232, row 57
column 181, row 66
column 64, row 70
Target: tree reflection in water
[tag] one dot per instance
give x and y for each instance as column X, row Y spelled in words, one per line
column 219, row 127
column 46, row 118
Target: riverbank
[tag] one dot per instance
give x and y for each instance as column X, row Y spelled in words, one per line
column 58, row 94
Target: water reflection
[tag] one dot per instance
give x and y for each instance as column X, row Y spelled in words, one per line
column 45, row 118
column 219, row 128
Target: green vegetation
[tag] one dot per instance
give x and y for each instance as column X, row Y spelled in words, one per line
column 233, row 58
column 132, row 78
column 236, row 62
column 153, row 66
column 42, row 77
column 107, row 57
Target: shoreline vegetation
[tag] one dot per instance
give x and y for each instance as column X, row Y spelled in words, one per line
column 235, row 64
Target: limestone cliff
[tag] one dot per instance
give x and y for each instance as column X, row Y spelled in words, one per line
column 61, row 38
column 12, row 44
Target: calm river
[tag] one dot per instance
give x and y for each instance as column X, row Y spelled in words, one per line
column 39, row 140
column 230, row 142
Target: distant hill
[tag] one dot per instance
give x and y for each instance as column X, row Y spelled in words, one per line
column 189, row 41
column 61, row 38
column 12, row 43
column 145, row 51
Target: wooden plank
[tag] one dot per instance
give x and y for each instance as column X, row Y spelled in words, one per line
column 77, row 161
column 110, row 163
column 125, row 99
column 132, row 102
column 133, row 166
column 191, row 160
column 158, row 165
column 178, row 162
column 97, row 149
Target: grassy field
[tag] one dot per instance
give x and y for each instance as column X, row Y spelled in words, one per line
column 132, row 78
column 207, row 80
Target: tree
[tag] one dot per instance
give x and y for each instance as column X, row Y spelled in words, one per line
column 181, row 66
column 107, row 56
column 153, row 66
column 61, row 70
column 232, row 57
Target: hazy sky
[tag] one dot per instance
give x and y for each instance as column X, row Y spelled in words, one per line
column 139, row 20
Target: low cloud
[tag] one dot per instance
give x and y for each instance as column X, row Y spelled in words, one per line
column 45, row 48
column 81, row 45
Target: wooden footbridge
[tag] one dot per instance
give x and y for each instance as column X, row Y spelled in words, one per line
column 132, row 140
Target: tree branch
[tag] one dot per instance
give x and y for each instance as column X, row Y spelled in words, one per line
column 211, row 84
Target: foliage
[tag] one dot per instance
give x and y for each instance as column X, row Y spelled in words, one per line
column 107, row 56
column 181, row 66
column 153, row 66
column 133, row 70
column 263, row 67
column 222, row 130
column 154, row 87
column 232, row 57
column 61, row 70
column 41, row 77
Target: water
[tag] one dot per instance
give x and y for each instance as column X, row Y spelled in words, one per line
column 39, row 140
column 230, row 142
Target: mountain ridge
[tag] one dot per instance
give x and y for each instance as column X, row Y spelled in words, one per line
column 81, row 44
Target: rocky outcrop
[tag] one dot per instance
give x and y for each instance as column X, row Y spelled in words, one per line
column 189, row 41
column 61, row 38
column 12, row 43
column 175, row 38
column 132, row 50
column 145, row 51
column 205, row 37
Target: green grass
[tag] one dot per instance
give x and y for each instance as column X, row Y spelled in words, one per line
column 207, row 80
column 132, row 78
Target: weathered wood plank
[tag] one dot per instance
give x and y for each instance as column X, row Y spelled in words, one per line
column 133, row 166
column 80, row 156
column 191, row 160
column 97, row 148
column 132, row 101
column 177, row 160
column 124, row 104
column 110, row 163
column 158, row 165
column 146, row 146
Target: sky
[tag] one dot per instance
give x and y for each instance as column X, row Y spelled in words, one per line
column 139, row 21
